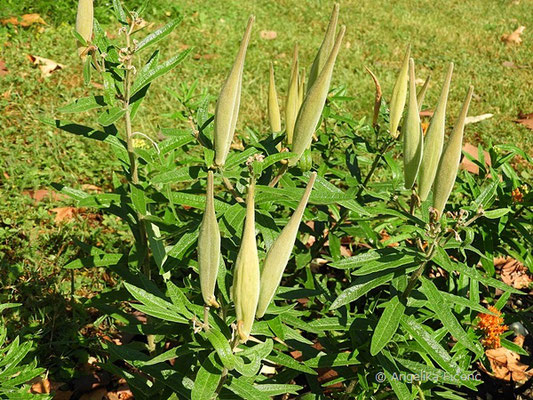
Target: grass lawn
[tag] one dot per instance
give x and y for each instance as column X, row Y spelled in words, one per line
column 33, row 247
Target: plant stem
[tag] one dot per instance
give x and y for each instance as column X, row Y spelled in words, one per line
column 280, row 174
column 134, row 174
column 416, row 275
column 232, row 189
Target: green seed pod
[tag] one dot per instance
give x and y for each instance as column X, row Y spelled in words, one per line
column 433, row 141
column 280, row 252
column 301, row 88
column 273, row 106
column 449, row 162
column 84, row 25
column 306, row 161
column 413, row 138
column 422, row 93
column 292, row 106
column 399, row 95
column 209, row 246
column 227, row 109
column 313, row 104
column 245, row 288
column 325, row 48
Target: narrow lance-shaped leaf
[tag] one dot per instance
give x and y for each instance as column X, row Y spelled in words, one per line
column 280, row 252
column 313, row 104
column 273, row 105
column 325, row 48
column 413, row 138
column 292, row 106
column 209, row 246
column 227, row 109
column 399, row 95
column 449, row 162
column 433, row 141
column 84, row 25
column 422, row 93
column 246, row 276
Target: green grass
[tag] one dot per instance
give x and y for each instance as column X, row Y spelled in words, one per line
column 33, row 248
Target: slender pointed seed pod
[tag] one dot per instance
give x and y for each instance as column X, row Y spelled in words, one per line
column 433, row 141
column 273, row 106
column 209, row 246
column 292, row 106
column 301, row 88
column 422, row 93
column 280, row 252
column 449, row 162
column 84, row 25
column 399, row 95
column 227, row 109
column 325, row 48
column 313, row 104
column 246, row 275
column 413, row 138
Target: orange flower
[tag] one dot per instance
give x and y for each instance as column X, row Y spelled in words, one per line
column 492, row 327
column 517, row 195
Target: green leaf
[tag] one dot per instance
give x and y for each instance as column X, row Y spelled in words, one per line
column 439, row 376
column 444, row 313
column 222, row 347
column 392, row 373
column 157, row 71
column 278, row 389
column 154, row 305
column 182, row 174
column 427, row 341
column 207, row 379
column 513, row 347
column 442, row 259
column 100, row 260
column 158, row 35
column 119, row 12
column 289, row 362
column 110, row 116
column 83, row 104
column 375, row 261
column 168, row 355
column 333, row 360
column 487, row 195
column 246, row 390
column 387, row 325
column 360, row 287
column 495, row 214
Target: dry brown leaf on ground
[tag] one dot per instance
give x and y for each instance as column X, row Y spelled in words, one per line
column 469, row 165
column 47, row 66
column 513, row 272
column 98, row 394
column 64, row 214
column 506, row 364
column 40, row 386
column 268, row 35
column 24, row 20
column 3, row 69
column 427, row 113
column 513, row 38
column 526, row 120
column 41, row 194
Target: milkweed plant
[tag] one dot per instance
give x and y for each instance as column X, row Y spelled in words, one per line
column 325, row 258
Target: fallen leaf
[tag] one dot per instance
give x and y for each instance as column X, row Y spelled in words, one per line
column 526, row 120
column 513, row 38
column 24, row 21
column 41, row 194
column 506, row 364
column 3, row 68
column 426, row 113
column 477, row 118
column 40, row 386
column 90, row 187
column 268, row 35
column 469, row 165
column 46, row 65
column 98, row 394
column 513, row 272
column 199, row 56
column 64, row 214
